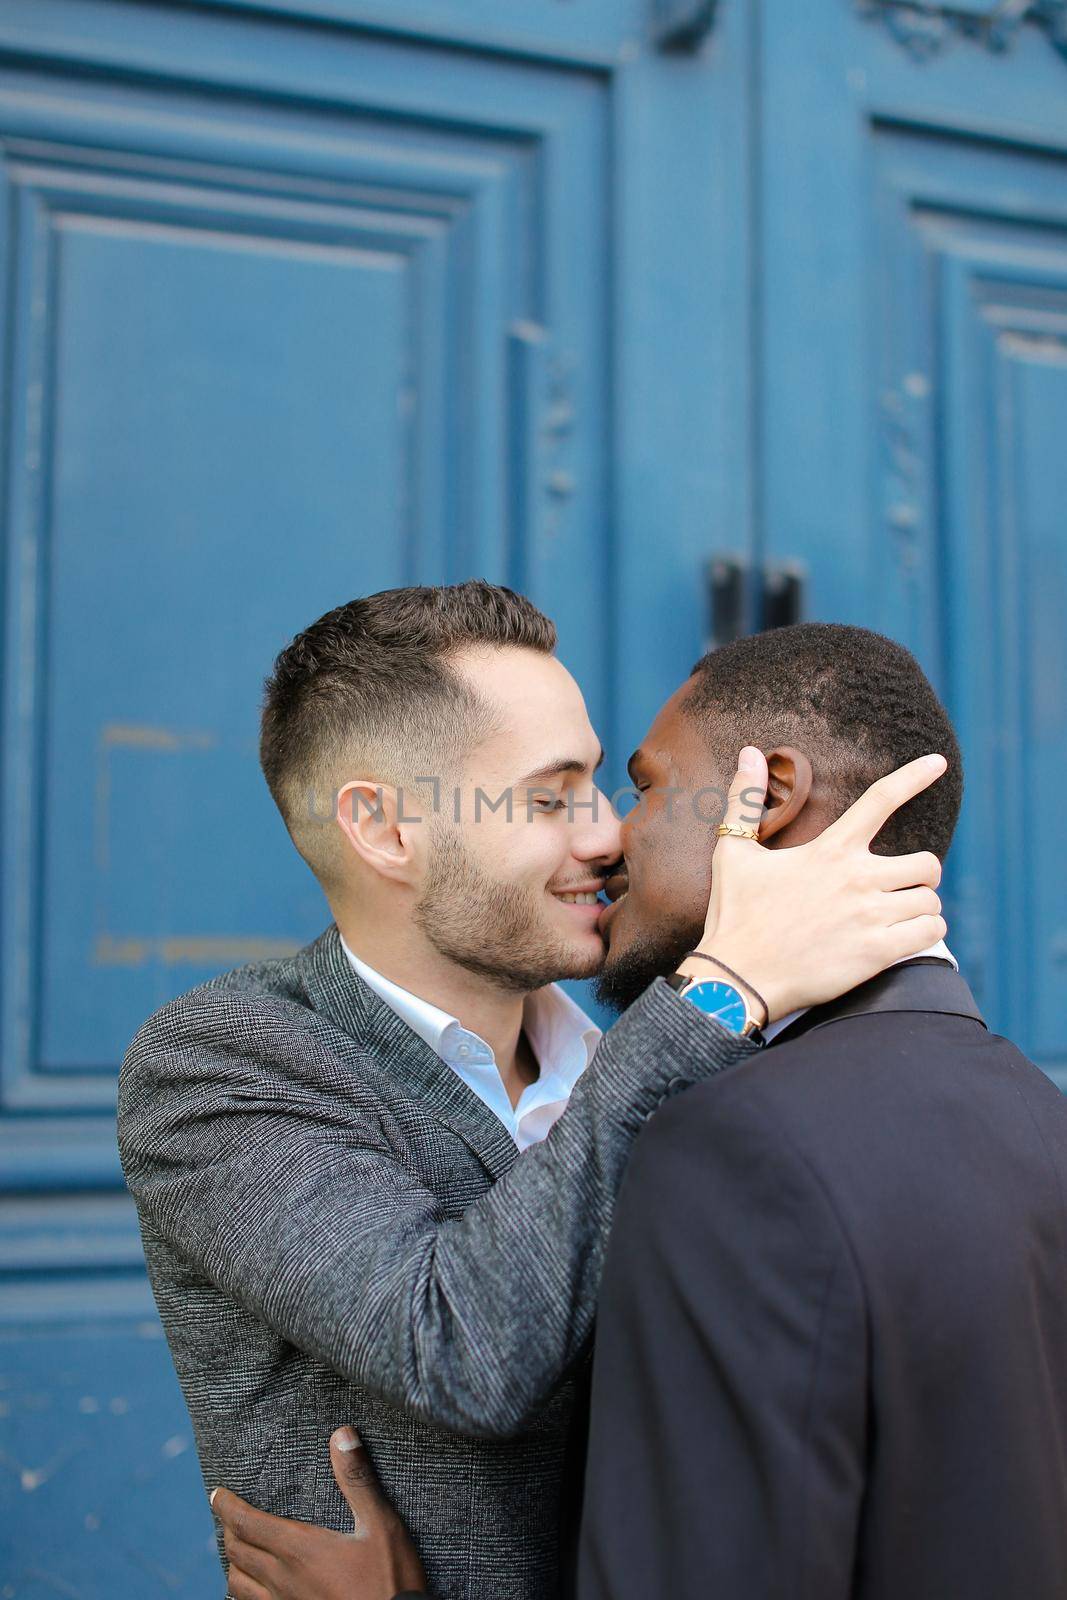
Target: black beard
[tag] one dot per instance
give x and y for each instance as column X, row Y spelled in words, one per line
column 623, row 979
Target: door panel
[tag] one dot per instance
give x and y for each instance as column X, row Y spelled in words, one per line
column 102, row 1493
column 915, row 246
column 218, row 366
column 1007, row 338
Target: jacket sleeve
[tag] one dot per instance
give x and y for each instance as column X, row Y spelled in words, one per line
column 728, row 1422
column 315, row 1225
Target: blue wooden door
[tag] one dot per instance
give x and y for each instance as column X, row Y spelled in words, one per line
column 913, row 317
column 297, row 306
column 304, row 298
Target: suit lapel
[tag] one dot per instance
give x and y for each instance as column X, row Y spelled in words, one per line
column 339, row 993
column 925, row 984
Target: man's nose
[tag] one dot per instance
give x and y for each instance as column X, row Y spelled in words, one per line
column 601, row 839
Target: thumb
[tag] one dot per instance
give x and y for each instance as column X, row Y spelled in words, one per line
column 748, row 790
column 355, row 1477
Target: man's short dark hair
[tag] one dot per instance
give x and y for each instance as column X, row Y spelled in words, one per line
column 856, row 703
column 367, row 692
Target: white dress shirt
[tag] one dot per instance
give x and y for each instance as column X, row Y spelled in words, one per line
column 939, row 949
column 561, row 1036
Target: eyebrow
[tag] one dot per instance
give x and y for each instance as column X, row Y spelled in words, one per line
column 560, row 768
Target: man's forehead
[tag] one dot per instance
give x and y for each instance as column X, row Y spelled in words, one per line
column 529, row 745
column 670, row 729
column 515, row 681
column 677, row 740
column 539, row 719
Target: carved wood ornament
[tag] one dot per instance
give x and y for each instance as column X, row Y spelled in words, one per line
column 925, row 30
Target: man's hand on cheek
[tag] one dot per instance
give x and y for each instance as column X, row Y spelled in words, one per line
column 273, row 1558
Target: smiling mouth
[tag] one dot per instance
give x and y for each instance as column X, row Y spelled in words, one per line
column 583, row 898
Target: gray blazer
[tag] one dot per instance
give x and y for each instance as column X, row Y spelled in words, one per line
column 337, row 1229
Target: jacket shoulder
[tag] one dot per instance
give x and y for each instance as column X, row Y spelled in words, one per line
column 875, row 1096
column 251, row 987
column 918, row 1125
column 254, row 1012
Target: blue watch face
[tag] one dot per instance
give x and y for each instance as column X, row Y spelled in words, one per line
column 721, row 1001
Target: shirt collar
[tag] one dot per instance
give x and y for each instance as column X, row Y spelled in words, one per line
column 563, row 1038
column 939, row 949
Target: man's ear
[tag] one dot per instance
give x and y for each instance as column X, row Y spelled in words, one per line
column 377, row 820
column 788, row 789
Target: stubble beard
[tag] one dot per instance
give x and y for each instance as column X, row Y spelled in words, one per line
column 495, row 929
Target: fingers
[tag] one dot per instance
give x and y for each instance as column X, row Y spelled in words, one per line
column 375, row 1519
column 873, row 809
column 356, row 1477
column 241, row 1588
column 906, row 903
column 242, row 1521
column 906, row 872
column 250, row 1562
column 911, row 938
column 748, row 790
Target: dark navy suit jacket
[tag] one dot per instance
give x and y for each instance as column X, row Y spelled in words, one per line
column 831, row 1357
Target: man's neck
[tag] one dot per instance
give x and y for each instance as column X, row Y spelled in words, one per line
column 493, row 1013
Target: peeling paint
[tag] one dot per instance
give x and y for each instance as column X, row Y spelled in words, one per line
column 143, row 736
column 1046, row 348
column 189, row 950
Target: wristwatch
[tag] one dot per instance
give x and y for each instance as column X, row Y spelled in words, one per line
column 720, row 1001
